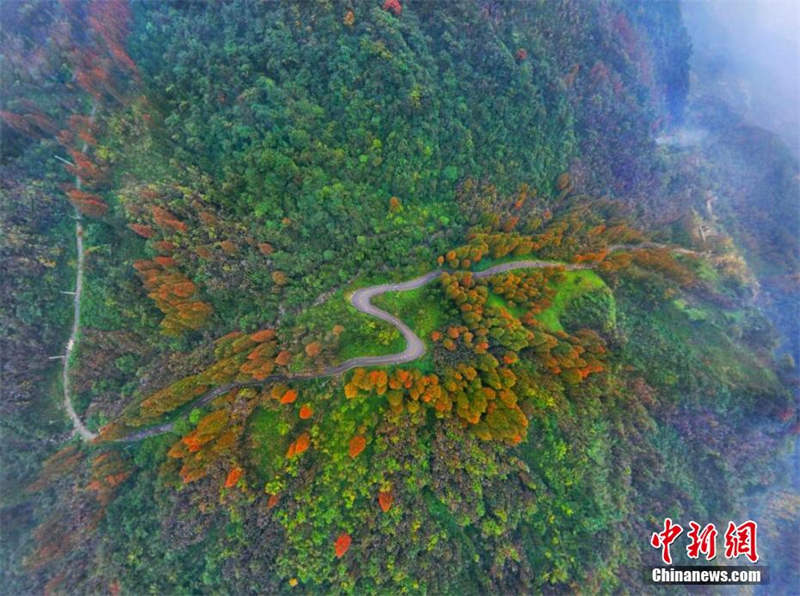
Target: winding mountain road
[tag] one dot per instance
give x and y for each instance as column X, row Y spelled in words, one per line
column 415, row 347
column 362, row 301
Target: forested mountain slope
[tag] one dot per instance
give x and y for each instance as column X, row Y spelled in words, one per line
column 240, row 168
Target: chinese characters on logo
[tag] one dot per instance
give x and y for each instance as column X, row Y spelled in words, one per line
column 665, row 538
column 739, row 540
column 704, row 542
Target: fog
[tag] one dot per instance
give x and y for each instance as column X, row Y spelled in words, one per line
column 747, row 53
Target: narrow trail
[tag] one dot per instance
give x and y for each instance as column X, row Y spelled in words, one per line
column 80, row 428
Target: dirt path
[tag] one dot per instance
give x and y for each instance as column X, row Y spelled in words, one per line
column 80, row 428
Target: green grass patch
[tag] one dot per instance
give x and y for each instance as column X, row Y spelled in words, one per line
column 421, row 309
column 573, row 285
column 694, row 314
column 268, row 437
column 498, row 301
column 368, row 336
column 363, row 335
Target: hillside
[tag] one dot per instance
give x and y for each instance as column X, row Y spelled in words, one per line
column 585, row 355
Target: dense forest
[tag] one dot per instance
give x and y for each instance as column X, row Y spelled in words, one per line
column 221, row 176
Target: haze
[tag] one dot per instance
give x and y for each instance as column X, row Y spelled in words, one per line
column 747, row 53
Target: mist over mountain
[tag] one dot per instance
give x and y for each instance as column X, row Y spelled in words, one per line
column 747, row 53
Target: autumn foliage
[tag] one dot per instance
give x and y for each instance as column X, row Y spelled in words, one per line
column 481, row 378
column 61, row 531
column 582, row 230
column 174, row 294
column 100, row 68
column 87, row 173
column 108, row 470
column 283, row 358
column 393, row 6
column 142, row 230
column 215, row 438
column 385, row 500
column 342, row 544
column 289, row 396
column 56, row 466
column 233, row 477
column 239, row 357
column 299, row 445
column 313, row 349
column 109, row 19
column 33, row 124
column 357, row 445
column 166, row 220
column 531, row 289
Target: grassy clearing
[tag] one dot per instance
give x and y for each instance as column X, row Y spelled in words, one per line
column 498, row 301
column 363, row 335
column 267, row 434
column 574, row 284
column 694, row 314
column 368, row 336
column 421, row 308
